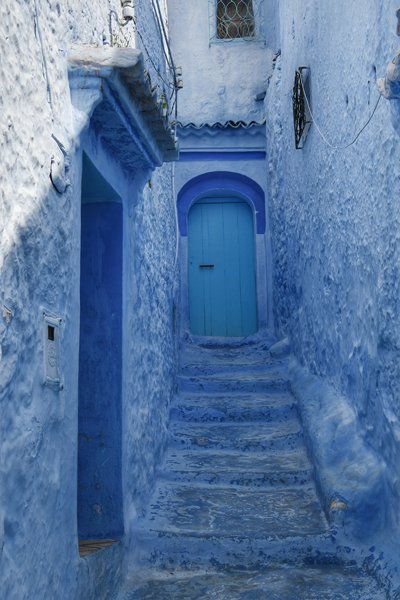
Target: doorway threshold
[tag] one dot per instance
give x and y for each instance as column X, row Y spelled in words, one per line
column 211, row 342
column 87, row 547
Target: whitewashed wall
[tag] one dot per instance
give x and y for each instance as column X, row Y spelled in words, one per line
column 221, row 79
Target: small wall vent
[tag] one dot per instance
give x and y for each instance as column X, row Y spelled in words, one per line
column 301, row 100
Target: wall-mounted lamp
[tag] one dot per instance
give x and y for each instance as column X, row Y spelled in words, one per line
column 128, row 12
column 179, row 80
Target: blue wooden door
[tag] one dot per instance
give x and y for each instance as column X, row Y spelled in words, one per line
column 222, row 282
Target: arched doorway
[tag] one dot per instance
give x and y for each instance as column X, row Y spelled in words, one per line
column 215, row 188
column 221, row 267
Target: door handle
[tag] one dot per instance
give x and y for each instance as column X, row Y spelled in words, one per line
column 206, row 266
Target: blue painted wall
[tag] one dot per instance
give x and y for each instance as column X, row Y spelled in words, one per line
column 149, row 344
column 100, row 513
column 40, row 269
column 335, row 221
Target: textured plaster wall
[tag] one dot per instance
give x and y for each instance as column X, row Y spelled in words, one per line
column 39, row 266
column 334, row 214
column 219, row 83
column 149, row 352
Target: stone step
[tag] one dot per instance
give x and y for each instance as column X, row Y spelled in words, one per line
column 227, row 368
column 238, row 469
column 170, row 550
column 262, row 407
column 227, row 354
column 249, row 436
column 276, row 582
column 205, row 511
column 235, row 382
column 191, row 526
column 235, row 514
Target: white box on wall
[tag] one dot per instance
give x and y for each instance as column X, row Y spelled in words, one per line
column 51, row 353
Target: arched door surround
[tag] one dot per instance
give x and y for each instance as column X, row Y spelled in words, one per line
column 221, row 182
column 220, row 185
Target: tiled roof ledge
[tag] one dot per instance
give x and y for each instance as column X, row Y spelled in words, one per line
column 112, row 84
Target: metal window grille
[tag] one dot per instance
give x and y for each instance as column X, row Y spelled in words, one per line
column 235, row 20
column 301, row 115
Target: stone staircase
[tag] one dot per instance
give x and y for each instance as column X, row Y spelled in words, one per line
column 235, row 513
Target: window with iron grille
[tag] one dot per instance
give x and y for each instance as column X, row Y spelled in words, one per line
column 235, row 20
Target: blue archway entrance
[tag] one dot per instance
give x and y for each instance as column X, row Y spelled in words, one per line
column 221, row 267
column 221, row 183
column 214, row 188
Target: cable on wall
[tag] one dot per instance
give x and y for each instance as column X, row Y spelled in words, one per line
column 173, row 85
column 163, row 34
column 319, row 129
column 168, row 54
column 44, row 59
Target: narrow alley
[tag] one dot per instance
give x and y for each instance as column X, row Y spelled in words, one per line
column 199, row 300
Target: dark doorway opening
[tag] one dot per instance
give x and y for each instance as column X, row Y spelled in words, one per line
column 100, row 509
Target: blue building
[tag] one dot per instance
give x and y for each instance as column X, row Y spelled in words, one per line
column 89, row 289
column 220, row 177
column 154, row 204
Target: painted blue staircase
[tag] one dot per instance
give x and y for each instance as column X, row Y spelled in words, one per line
column 235, row 514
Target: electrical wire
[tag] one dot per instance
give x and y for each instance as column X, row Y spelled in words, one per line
column 160, row 31
column 321, row 133
column 157, row 70
column 44, row 59
column 171, row 85
column 172, row 63
column 161, row 22
column 123, row 24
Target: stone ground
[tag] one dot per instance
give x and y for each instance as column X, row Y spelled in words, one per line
column 235, row 514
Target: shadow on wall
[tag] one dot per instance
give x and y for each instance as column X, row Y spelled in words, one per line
column 40, row 271
column 44, row 497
